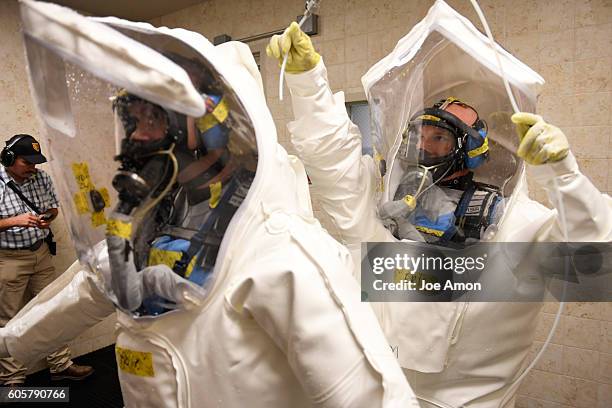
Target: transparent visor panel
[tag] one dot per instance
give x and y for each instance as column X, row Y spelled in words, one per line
column 441, row 122
column 148, row 192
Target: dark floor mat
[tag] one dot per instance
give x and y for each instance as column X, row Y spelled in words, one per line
column 101, row 389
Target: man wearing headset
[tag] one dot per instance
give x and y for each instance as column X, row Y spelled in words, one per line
column 28, row 205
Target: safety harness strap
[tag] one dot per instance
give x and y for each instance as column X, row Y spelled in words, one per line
column 221, row 214
column 474, row 211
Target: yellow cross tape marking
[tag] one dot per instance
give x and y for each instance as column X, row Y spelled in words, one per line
column 139, row 363
column 98, row 218
column 104, row 193
column 119, row 228
column 215, row 194
column 480, row 150
column 221, row 111
column 81, row 198
column 81, row 202
column 212, row 119
column 431, row 231
column 159, row 256
column 81, row 174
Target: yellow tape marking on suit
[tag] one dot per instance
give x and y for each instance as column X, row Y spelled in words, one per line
column 480, row 150
column 410, row 201
column 402, row 274
column 159, row 256
column 81, row 202
column 104, row 193
column 139, row 363
column 215, row 194
column 431, row 231
column 221, row 111
column 98, row 218
column 81, row 198
column 212, row 119
column 81, row 175
column 119, row 228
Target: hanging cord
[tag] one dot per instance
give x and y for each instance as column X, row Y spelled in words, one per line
column 169, row 152
column 560, row 207
column 310, row 6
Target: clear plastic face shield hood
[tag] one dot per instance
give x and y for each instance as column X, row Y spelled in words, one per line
column 439, row 113
column 155, row 150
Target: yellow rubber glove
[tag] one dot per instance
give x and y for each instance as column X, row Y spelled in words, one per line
column 540, row 142
column 302, row 55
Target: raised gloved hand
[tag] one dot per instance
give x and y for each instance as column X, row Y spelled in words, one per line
column 302, row 55
column 540, row 142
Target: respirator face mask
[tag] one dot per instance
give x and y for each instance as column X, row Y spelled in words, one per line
column 147, row 141
column 427, row 154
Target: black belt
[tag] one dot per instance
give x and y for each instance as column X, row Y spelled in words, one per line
column 32, row 247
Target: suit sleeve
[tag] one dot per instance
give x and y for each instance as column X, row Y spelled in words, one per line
column 330, row 145
column 63, row 310
column 586, row 210
column 332, row 341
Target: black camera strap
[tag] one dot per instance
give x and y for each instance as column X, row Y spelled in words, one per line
column 49, row 239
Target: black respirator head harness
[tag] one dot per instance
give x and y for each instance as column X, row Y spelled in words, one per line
column 470, row 148
column 147, row 167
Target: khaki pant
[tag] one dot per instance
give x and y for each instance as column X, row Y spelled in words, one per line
column 21, row 271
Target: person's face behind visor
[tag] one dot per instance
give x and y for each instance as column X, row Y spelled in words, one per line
column 150, row 120
column 434, row 141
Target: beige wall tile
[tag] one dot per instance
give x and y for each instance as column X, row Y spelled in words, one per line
column 592, row 109
column 354, row 72
column 543, row 385
column 334, row 52
column 578, row 393
column 593, row 12
column 593, row 75
column 556, row 15
column 594, row 42
column 582, row 333
column 559, row 78
column 606, row 338
column 557, row 109
column 544, row 326
column 356, row 48
column 605, row 368
column 604, row 396
column 552, row 359
column 589, row 142
column 337, row 76
column 580, row 363
column 526, row 47
column 556, row 46
column 356, row 20
column 521, row 17
column 597, row 171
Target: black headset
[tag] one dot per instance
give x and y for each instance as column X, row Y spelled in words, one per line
column 7, row 156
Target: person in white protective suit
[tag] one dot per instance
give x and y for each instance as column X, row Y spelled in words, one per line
column 453, row 354
column 228, row 293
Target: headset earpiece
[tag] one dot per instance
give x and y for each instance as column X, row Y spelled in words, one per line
column 7, row 156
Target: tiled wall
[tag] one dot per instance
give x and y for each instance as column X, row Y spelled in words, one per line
column 568, row 42
column 17, row 115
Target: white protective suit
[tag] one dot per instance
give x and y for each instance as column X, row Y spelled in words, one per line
column 282, row 324
column 453, row 354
